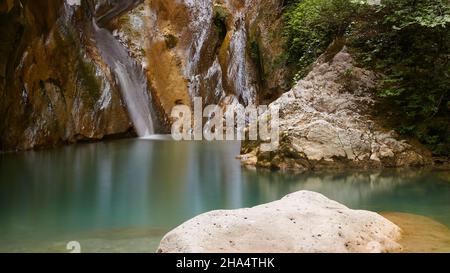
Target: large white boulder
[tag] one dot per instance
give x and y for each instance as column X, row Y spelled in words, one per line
column 300, row 222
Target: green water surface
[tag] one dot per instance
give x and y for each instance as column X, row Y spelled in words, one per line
column 123, row 196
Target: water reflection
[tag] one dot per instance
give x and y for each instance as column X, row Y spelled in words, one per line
column 58, row 194
column 414, row 191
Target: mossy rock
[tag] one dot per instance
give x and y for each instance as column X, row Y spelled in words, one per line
column 221, row 17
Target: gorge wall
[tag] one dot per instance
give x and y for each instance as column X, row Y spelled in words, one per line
column 87, row 70
column 54, row 85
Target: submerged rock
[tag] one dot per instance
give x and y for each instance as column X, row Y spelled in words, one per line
column 300, row 222
column 421, row 234
column 326, row 122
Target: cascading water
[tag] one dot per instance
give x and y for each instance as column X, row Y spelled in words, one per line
column 238, row 70
column 217, row 79
column 95, row 58
column 129, row 74
column 238, row 67
column 202, row 14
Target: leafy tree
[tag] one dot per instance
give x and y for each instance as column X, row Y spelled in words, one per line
column 311, row 25
column 407, row 41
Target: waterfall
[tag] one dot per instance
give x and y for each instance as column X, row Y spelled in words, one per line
column 238, row 70
column 200, row 26
column 214, row 82
column 130, row 76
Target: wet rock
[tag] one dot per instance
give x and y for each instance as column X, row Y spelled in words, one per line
column 326, row 122
column 55, row 88
column 301, row 222
column 203, row 48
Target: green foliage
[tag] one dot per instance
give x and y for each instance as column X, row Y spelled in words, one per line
column 408, row 41
column 254, row 51
column 311, row 25
column 255, row 55
column 425, row 13
column 88, row 78
column 220, row 21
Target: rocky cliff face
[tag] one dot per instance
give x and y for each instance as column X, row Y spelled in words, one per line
column 54, row 87
column 222, row 51
column 326, row 122
column 59, row 82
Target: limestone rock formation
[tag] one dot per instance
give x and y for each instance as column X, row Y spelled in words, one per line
column 54, row 86
column 57, row 84
column 300, row 222
column 219, row 50
column 326, row 122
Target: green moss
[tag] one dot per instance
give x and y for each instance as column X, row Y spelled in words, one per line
column 257, row 58
column 69, row 49
column 87, row 78
column 171, row 41
column 221, row 16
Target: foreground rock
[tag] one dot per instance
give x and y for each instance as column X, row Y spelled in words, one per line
column 300, row 222
column 326, row 122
